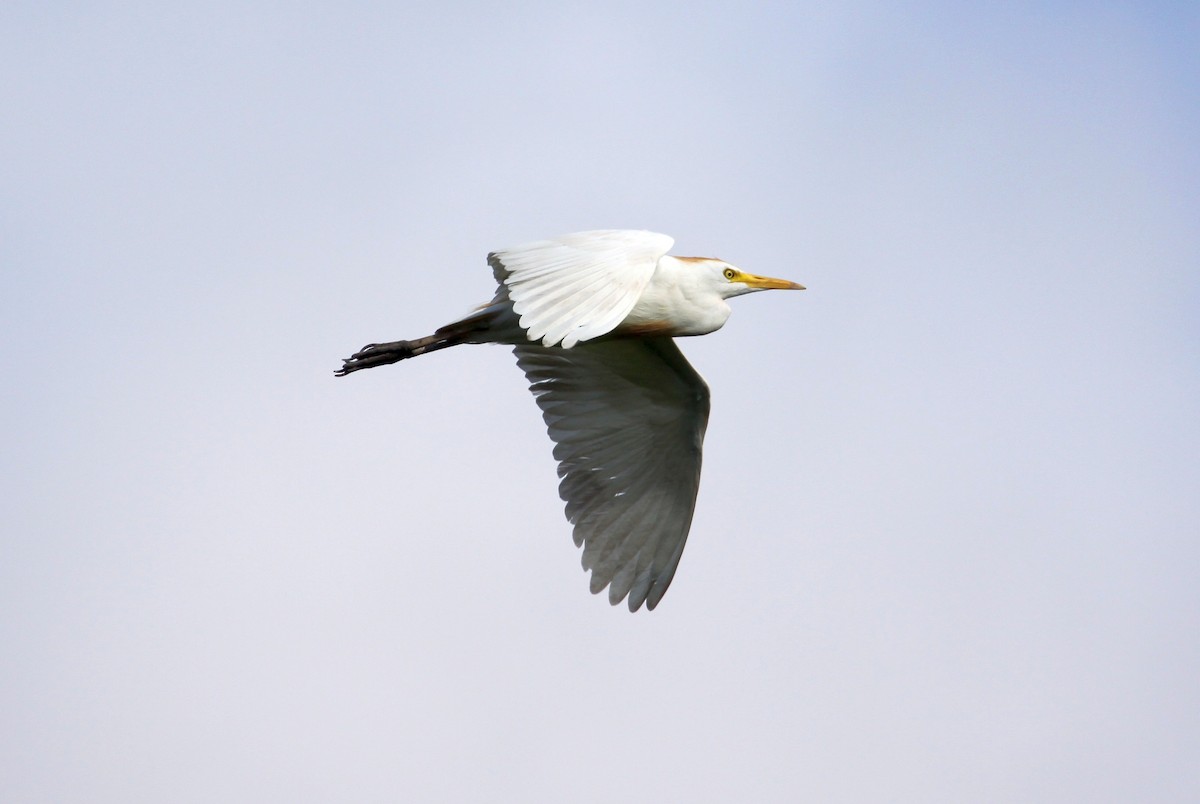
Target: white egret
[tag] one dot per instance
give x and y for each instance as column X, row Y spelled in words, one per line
column 592, row 316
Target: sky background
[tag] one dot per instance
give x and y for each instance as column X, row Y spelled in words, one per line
column 947, row 546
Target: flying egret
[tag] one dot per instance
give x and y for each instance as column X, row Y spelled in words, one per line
column 592, row 316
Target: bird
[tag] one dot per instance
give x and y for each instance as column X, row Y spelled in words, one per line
column 592, row 317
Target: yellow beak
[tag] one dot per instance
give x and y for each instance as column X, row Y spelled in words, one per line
column 767, row 283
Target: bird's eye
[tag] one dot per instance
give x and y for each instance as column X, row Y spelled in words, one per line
column 730, row 274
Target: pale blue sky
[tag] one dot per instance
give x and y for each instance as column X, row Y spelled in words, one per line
column 946, row 547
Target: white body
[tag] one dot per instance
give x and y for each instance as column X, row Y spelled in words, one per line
column 585, row 286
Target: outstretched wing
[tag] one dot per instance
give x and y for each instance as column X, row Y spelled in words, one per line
column 627, row 418
column 579, row 286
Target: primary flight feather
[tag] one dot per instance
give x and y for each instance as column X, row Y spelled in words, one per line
column 592, row 316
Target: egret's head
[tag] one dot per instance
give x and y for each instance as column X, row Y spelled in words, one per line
column 732, row 281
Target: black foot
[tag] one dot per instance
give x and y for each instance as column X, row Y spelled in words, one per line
column 376, row 354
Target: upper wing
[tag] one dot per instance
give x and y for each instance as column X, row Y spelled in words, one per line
column 579, row 286
column 627, row 418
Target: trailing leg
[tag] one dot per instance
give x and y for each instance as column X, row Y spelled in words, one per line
column 382, row 354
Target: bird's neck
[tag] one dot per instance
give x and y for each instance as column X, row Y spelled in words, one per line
column 677, row 302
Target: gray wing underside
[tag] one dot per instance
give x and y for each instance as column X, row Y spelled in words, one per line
column 627, row 418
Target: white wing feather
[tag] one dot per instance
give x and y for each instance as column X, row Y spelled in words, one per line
column 579, row 286
column 627, row 418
